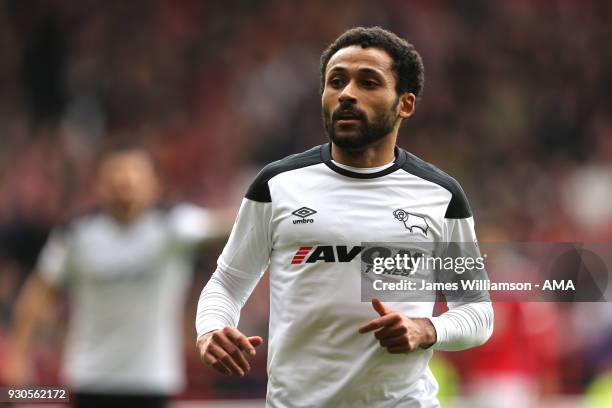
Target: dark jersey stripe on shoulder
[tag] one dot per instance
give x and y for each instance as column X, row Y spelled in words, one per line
column 259, row 190
column 458, row 206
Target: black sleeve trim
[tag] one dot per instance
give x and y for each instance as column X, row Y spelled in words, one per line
column 259, row 189
column 458, row 207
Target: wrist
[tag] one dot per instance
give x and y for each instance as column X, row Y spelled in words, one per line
column 428, row 333
column 204, row 336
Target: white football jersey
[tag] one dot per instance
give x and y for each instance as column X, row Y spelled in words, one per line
column 127, row 285
column 306, row 217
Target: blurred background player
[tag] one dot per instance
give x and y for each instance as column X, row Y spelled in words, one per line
column 126, row 268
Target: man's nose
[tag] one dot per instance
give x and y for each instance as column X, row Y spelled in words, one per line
column 348, row 93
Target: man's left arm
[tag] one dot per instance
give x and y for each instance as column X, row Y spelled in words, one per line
column 469, row 320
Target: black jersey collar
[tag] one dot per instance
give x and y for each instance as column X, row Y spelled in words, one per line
column 400, row 159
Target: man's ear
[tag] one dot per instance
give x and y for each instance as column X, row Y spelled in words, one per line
column 406, row 105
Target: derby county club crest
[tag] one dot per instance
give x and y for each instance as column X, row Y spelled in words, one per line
column 413, row 223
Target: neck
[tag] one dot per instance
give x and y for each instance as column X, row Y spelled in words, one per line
column 377, row 154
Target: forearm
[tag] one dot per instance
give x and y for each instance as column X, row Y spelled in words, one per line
column 463, row 326
column 221, row 301
column 36, row 297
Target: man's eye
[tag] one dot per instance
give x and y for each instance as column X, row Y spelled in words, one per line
column 335, row 82
column 369, row 84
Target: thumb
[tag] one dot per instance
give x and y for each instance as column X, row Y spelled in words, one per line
column 380, row 307
column 255, row 341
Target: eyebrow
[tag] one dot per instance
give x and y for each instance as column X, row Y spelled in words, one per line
column 369, row 71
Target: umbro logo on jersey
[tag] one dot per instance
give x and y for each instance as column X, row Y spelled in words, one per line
column 303, row 213
column 412, row 222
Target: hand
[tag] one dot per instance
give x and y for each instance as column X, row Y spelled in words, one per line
column 226, row 350
column 398, row 333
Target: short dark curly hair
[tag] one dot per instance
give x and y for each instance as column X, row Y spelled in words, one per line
column 407, row 63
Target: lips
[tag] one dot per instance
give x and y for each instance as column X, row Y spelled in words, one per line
column 346, row 116
column 347, row 121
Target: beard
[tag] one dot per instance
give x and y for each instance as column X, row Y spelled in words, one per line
column 366, row 133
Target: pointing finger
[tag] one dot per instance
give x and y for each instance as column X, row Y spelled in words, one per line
column 384, row 321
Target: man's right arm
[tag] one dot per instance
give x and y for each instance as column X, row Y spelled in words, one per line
column 240, row 266
column 221, row 345
column 35, row 301
column 37, row 297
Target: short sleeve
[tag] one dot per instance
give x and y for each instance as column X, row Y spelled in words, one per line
column 54, row 258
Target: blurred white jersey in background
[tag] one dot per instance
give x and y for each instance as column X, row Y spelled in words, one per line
column 127, row 285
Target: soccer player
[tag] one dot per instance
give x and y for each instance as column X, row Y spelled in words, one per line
column 126, row 269
column 304, row 215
